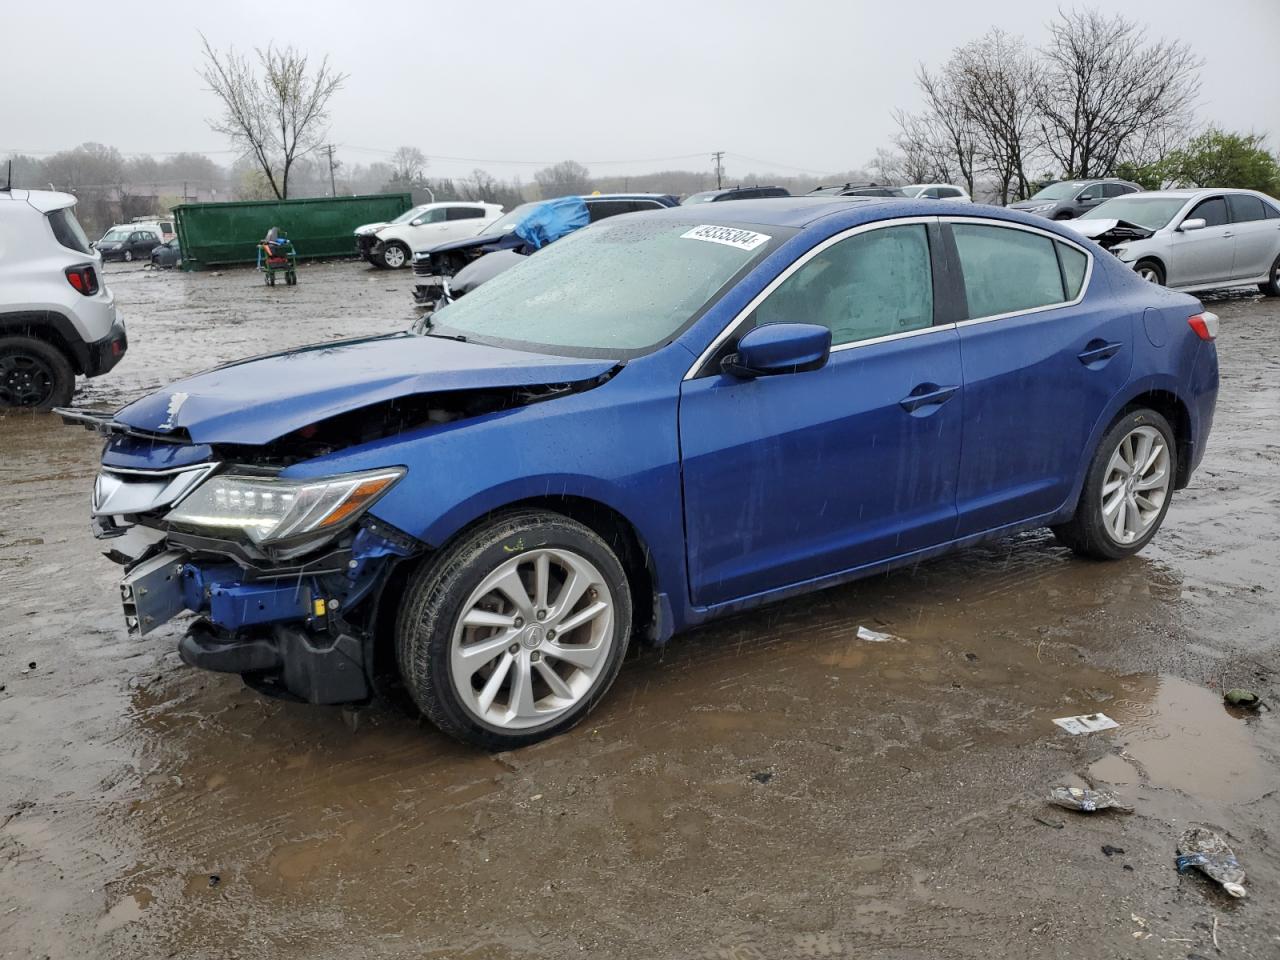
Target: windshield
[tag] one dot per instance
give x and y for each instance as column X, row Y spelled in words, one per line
column 117, row 233
column 1150, row 212
column 509, row 222
column 618, row 286
column 706, row 196
column 1058, row 191
column 408, row 215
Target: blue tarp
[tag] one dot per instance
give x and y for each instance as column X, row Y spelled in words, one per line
column 552, row 220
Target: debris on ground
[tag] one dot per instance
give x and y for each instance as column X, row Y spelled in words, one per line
column 1108, row 850
column 1088, row 723
column 1087, row 801
column 1055, row 824
column 762, row 776
column 875, row 636
column 1245, row 699
column 1210, row 854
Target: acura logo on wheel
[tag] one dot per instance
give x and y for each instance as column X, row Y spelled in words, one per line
column 533, row 636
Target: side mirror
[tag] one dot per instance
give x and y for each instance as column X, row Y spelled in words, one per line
column 1195, row 223
column 775, row 348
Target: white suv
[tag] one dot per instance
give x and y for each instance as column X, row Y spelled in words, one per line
column 57, row 317
column 427, row 226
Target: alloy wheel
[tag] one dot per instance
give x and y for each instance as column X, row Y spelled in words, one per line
column 25, row 380
column 1149, row 274
column 393, row 257
column 532, row 639
column 1136, row 484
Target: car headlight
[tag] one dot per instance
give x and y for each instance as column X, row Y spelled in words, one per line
column 1121, row 251
column 1041, row 207
column 267, row 509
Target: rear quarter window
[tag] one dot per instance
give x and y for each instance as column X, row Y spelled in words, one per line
column 1074, row 265
column 67, row 230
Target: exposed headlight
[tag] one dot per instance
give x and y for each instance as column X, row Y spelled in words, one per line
column 1121, row 250
column 268, row 509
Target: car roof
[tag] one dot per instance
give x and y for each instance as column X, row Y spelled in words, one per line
column 1188, row 192
column 802, row 212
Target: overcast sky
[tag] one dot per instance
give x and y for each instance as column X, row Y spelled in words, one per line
column 783, row 86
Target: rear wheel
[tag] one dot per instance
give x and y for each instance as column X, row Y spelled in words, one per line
column 1271, row 287
column 128, row 256
column 515, row 632
column 34, row 375
column 1151, row 271
column 1127, row 490
column 394, row 255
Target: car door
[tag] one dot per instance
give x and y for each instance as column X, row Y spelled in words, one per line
column 461, row 222
column 429, row 229
column 1040, row 367
column 1257, row 238
column 1205, row 255
column 795, row 477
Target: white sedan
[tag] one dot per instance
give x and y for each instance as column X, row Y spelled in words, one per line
column 1192, row 239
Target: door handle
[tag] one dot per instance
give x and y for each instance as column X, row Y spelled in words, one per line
column 1097, row 351
column 927, row 395
column 1229, row 234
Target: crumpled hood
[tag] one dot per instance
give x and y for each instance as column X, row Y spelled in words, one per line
column 1096, row 228
column 255, row 401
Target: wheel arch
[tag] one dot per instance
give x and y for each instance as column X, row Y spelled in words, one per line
column 1153, row 258
column 1170, row 406
column 50, row 327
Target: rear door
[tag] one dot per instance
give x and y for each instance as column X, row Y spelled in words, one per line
column 461, row 222
column 1040, row 367
column 1206, row 255
column 795, row 477
column 1257, row 238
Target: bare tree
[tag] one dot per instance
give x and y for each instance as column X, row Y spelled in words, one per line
column 276, row 110
column 1105, row 90
column 998, row 80
column 948, row 123
column 566, row 177
column 928, row 155
column 409, row 163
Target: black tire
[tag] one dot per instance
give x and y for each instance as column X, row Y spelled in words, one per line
column 291, row 278
column 128, row 256
column 1271, row 286
column 433, row 602
column 400, row 255
column 1156, row 270
column 34, row 375
column 1086, row 533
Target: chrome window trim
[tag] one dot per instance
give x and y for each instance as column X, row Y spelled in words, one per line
column 795, row 265
column 992, row 222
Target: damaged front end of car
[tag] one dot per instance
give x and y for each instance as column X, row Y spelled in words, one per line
column 1111, row 235
column 210, row 499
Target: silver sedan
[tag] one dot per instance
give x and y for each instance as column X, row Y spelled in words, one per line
column 1192, row 239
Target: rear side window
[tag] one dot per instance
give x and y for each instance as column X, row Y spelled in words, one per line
column 1114, row 189
column 947, row 192
column 1006, row 270
column 869, row 285
column 1213, row 211
column 600, row 209
column 1245, row 208
column 1074, row 263
column 465, row 213
column 67, row 231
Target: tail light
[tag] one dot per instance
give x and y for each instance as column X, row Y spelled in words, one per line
column 1205, row 325
column 84, row 278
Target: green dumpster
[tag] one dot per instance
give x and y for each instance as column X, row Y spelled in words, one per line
column 219, row 233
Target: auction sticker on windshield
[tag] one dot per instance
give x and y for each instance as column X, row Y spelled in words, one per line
column 729, row 236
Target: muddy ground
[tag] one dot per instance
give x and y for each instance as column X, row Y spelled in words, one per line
column 767, row 787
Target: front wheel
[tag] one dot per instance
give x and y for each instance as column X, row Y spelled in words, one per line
column 128, row 256
column 515, row 632
column 394, row 255
column 1151, row 271
column 1127, row 491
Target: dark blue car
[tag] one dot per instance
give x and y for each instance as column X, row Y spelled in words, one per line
column 659, row 419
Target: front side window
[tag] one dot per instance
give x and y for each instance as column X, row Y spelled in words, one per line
column 1092, row 193
column 431, row 216
column 603, row 209
column 869, row 285
column 1245, row 208
column 1006, row 270
column 1213, row 211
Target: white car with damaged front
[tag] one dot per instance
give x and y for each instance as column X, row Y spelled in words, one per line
column 1192, row 239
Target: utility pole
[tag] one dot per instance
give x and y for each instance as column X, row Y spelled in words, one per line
column 718, row 157
column 333, row 184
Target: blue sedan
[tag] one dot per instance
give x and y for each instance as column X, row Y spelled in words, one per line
column 658, row 420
